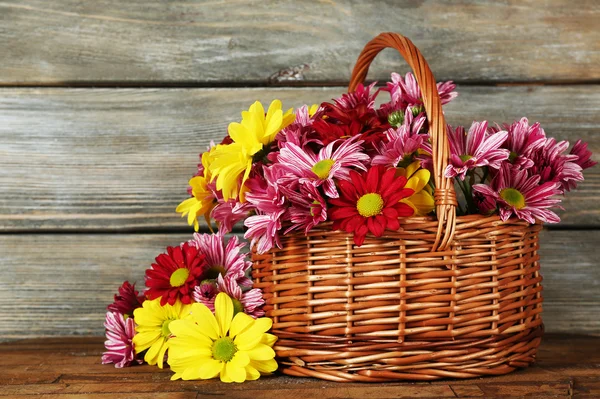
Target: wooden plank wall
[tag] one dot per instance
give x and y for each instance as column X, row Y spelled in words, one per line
column 105, row 105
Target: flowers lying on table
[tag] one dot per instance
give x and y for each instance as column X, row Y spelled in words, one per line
column 173, row 319
column 364, row 167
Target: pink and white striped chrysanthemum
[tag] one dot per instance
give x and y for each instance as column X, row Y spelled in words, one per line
column 405, row 92
column 474, row 149
column 222, row 259
column 205, row 293
column 308, row 207
column 263, row 230
column 322, row 168
column 522, row 141
column 249, row 302
column 553, row 165
column 228, row 213
column 119, row 333
column 402, row 143
column 517, row 194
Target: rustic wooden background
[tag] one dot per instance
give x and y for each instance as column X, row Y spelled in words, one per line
column 105, row 105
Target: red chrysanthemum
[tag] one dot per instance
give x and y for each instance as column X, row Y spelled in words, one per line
column 370, row 203
column 175, row 274
column 127, row 300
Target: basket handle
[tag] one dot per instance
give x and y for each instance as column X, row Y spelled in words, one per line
column 444, row 195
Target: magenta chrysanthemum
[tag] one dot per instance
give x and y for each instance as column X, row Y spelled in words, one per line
column 249, row 302
column 552, row 165
column 522, row 141
column 308, row 207
column 206, row 292
column 474, row 149
column 322, row 168
column 222, row 259
column 263, row 230
column 402, row 143
column 228, row 213
column 119, row 333
column 405, row 92
column 517, row 194
column 584, row 156
column 127, row 300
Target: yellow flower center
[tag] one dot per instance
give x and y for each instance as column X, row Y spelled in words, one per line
column 179, row 277
column 369, row 205
column 237, row 306
column 166, row 333
column 513, row 197
column 322, row 168
column 223, row 349
column 213, row 272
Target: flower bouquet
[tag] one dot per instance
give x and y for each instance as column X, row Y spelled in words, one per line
column 360, row 244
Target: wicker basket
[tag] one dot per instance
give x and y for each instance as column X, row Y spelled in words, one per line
column 444, row 297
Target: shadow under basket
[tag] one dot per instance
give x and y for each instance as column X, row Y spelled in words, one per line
column 393, row 310
column 443, row 297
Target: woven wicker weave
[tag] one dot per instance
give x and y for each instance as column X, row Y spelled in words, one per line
column 454, row 297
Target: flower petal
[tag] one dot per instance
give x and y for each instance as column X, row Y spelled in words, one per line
column 223, row 313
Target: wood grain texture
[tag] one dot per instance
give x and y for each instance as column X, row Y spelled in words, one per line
column 61, row 284
column 51, row 42
column 119, row 160
column 567, row 367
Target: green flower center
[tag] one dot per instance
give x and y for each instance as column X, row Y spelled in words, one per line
column 223, row 349
column 513, row 155
column 213, row 272
column 179, row 277
column 396, row 118
column 513, row 197
column 322, row 168
column 465, row 157
column 237, row 306
column 369, row 205
column 166, row 333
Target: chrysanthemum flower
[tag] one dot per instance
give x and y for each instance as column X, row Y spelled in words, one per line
column 127, row 300
column 370, row 202
column 203, row 199
column 233, row 162
column 402, row 144
column 263, row 230
column 153, row 328
column 522, row 140
column 405, row 92
column 517, row 194
column 421, row 200
column 327, row 165
column 553, row 165
column 175, row 274
column 222, row 259
column 206, row 292
column 248, row 302
column 228, row 213
column 119, row 333
column 474, row 149
column 583, row 155
column 235, row 348
column 308, row 207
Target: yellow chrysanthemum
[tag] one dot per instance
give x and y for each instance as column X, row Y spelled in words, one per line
column 313, row 109
column 234, row 348
column 202, row 201
column 257, row 129
column 418, row 178
column 153, row 328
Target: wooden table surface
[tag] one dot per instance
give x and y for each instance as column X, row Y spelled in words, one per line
column 568, row 367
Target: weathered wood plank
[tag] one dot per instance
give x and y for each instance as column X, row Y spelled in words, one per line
column 60, row 284
column 103, row 159
column 557, row 373
column 67, row 42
